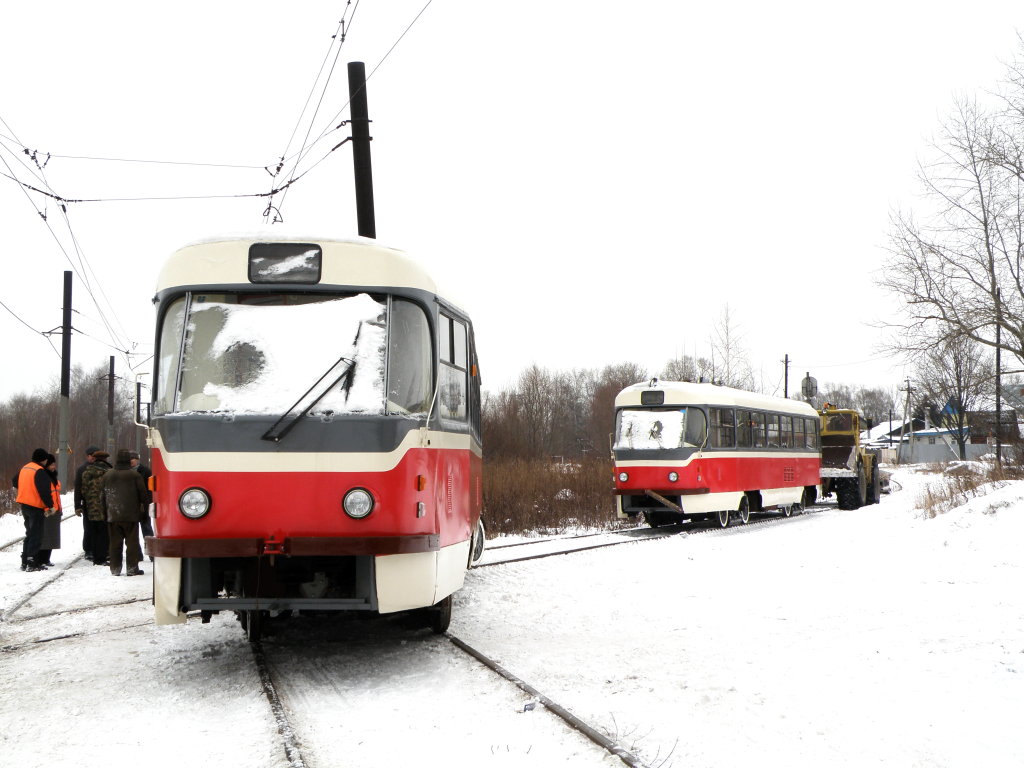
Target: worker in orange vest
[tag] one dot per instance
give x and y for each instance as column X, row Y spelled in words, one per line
column 35, row 495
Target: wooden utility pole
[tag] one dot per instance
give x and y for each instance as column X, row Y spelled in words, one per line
column 999, row 410
column 906, row 412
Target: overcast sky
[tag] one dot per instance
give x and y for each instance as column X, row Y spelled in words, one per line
column 592, row 181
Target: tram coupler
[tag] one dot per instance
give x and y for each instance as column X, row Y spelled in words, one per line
column 272, row 546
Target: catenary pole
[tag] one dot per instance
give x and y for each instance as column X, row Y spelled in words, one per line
column 110, row 409
column 363, row 171
column 64, row 426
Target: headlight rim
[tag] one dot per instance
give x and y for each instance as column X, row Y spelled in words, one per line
column 372, row 501
column 205, row 495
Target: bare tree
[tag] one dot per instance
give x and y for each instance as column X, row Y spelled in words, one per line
column 686, row 368
column 954, row 375
column 960, row 270
column 731, row 365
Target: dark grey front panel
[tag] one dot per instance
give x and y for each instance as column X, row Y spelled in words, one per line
column 344, row 434
column 661, row 454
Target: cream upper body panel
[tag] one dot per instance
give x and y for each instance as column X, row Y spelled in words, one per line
column 345, row 262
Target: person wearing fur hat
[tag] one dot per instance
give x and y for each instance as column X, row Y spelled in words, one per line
column 80, row 500
column 124, row 503
column 35, row 495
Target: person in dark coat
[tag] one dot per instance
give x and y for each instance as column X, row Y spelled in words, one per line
column 35, row 496
column 124, row 496
column 145, row 524
column 92, row 499
column 51, row 521
column 80, row 501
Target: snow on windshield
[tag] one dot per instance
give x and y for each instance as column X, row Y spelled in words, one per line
column 248, row 358
column 649, row 430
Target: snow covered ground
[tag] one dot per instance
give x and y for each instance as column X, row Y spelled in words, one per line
column 842, row 638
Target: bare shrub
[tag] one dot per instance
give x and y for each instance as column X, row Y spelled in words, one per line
column 532, row 496
column 956, row 488
column 7, row 505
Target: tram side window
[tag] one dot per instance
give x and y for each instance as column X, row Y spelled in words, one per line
column 799, row 432
column 786, row 431
column 812, row 433
column 723, row 428
column 744, row 433
column 757, row 422
column 454, row 356
column 772, row 422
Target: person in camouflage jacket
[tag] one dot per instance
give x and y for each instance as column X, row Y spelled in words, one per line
column 92, row 495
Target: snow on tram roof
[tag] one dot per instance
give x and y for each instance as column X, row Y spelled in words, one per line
column 688, row 393
column 223, row 260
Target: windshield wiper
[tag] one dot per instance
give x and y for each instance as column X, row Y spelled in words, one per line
column 342, row 368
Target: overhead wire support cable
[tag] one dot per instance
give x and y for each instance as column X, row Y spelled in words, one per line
column 339, row 36
column 334, row 121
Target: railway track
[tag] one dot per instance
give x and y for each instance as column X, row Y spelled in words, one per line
column 302, row 687
column 567, row 545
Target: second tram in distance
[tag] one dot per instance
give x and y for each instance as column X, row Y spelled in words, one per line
column 702, row 451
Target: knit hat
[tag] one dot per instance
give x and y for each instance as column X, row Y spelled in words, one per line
column 91, row 450
column 39, row 455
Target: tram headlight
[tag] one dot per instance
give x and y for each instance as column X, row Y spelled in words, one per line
column 623, row 477
column 358, row 503
column 194, row 503
column 673, row 477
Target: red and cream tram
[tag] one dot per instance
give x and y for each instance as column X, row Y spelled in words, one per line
column 693, row 451
column 315, row 433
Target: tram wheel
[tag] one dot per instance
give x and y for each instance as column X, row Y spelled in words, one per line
column 744, row 510
column 439, row 615
column 723, row 518
column 252, row 623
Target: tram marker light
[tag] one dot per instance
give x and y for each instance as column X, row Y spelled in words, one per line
column 421, row 483
column 673, row 477
column 623, row 477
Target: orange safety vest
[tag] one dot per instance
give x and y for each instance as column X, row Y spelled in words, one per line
column 55, row 489
column 27, row 493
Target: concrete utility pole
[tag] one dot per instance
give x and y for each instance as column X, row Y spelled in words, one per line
column 785, row 386
column 110, row 411
column 64, row 425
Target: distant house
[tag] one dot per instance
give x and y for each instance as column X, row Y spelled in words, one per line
column 936, row 444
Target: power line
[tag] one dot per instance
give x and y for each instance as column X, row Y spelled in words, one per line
column 339, row 36
column 327, row 131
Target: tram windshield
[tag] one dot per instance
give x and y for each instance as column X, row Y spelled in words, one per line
column 260, row 353
column 660, row 428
